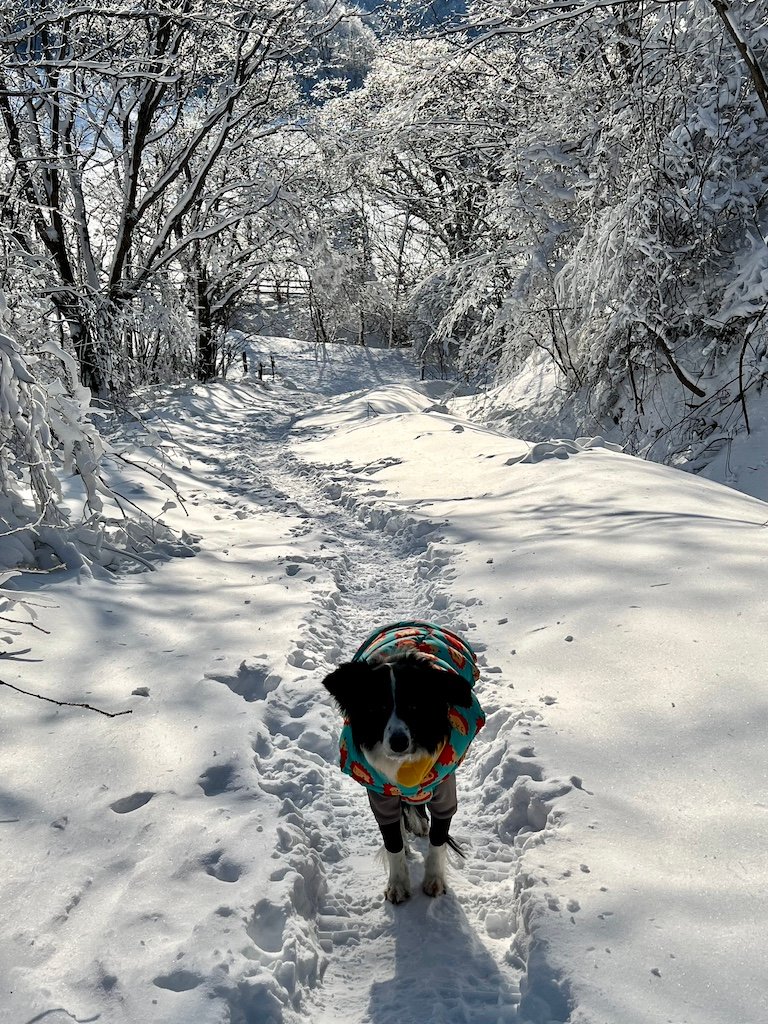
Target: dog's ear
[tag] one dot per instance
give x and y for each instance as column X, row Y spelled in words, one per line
column 346, row 683
column 458, row 691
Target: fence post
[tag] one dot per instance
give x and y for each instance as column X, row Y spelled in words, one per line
column 245, row 363
column 261, row 371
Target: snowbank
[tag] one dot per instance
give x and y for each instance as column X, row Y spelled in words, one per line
column 706, row 436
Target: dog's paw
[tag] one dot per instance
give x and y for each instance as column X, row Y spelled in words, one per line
column 399, row 884
column 434, row 871
column 434, row 885
column 397, row 892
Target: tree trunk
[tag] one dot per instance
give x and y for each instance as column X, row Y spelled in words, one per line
column 206, row 341
column 86, row 349
column 748, row 55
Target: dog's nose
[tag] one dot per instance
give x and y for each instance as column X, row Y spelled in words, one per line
column 399, row 741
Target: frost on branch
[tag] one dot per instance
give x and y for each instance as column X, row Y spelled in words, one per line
column 56, row 508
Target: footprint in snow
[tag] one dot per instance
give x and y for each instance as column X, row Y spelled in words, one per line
column 261, row 745
column 252, row 682
column 299, row 659
column 217, row 779
column 130, row 803
column 265, row 928
column 178, row 981
column 221, row 867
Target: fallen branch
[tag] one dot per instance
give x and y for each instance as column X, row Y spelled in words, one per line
column 66, row 703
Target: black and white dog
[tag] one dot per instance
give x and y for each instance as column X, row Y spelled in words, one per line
column 409, row 716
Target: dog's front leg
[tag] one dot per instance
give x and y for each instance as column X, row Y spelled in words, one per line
column 434, row 871
column 399, row 886
column 435, row 863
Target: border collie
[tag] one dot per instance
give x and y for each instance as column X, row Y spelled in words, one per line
column 410, row 714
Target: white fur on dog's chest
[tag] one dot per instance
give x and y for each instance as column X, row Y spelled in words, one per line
column 384, row 765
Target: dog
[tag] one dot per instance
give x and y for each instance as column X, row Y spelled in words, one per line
column 410, row 714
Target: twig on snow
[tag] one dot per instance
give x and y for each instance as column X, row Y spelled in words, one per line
column 66, row 703
column 21, row 622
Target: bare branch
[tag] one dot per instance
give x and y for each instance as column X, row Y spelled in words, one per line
column 66, row 703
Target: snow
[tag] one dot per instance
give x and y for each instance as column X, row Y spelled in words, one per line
column 535, row 402
column 203, row 859
column 743, row 462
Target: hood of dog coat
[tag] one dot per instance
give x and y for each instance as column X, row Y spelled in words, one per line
column 446, row 649
column 417, row 780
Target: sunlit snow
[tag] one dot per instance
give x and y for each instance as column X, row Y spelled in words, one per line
column 203, row 859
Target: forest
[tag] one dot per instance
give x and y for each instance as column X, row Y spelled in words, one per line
column 576, row 186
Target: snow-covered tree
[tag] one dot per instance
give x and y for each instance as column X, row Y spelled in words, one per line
column 47, row 438
column 120, row 125
column 591, row 183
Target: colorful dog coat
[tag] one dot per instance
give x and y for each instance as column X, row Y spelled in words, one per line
column 417, row 780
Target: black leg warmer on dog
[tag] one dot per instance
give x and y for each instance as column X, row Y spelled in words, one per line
column 392, row 836
column 438, row 831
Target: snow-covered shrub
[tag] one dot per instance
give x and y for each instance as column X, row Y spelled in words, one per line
column 48, row 440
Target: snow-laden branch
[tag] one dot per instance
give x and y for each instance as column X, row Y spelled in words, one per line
column 747, row 53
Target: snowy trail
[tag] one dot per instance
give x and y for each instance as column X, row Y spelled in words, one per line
column 451, row 959
column 442, row 960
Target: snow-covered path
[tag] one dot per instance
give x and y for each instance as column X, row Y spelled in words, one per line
column 378, row 956
column 437, row 957
column 203, row 859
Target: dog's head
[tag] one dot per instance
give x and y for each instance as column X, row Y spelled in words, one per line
column 398, row 707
